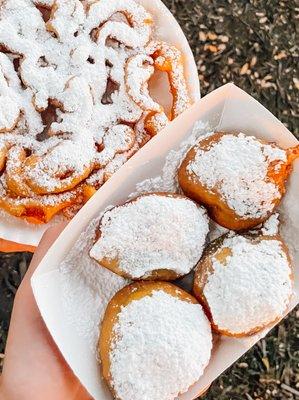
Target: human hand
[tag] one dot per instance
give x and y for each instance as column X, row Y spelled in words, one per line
column 34, row 369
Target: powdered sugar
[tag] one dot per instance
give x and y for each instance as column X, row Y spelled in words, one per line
column 271, row 225
column 252, row 288
column 136, row 83
column 167, row 181
column 87, row 287
column 15, row 101
column 48, row 173
column 136, row 36
column 237, row 166
column 119, row 139
column 159, row 363
column 154, row 232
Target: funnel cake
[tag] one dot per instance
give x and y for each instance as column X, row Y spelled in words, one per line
column 139, row 362
column 244, row 283
column 240, row 179
column 158, row 236
column 74, row 98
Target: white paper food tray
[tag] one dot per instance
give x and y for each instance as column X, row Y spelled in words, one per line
column 227, row 109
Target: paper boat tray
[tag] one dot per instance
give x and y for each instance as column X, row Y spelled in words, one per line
column 227, row 109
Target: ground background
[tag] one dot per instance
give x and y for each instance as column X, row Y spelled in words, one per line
column 252, row 43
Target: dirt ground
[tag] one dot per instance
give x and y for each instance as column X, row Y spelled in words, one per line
column 254, row 44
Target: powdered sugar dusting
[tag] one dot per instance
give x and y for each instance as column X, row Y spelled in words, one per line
column 87, row 287
column 136, row 83
column 252, row 288
column 167, row 181
column 271, row 225
column 153, row 232
column 160, row 363
column 237, row 166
